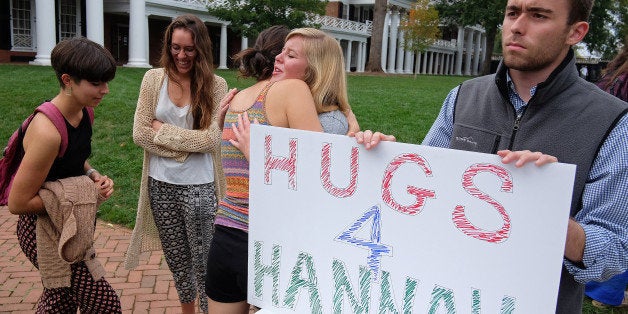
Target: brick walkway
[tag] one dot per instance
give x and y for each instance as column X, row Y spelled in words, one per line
column 147, row 289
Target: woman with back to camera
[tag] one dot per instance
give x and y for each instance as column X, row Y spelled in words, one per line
column 177, row 123
column 83, row 69
column 310, row 59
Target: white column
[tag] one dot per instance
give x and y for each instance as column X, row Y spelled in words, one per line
column 409, row 57
column 424, row 56
column 483, row 55
column 441, row 64
column 400, row 52
column 223, row 47
column 430, row 67
column 46, row 31
column 385, row 40
column 436, row 63
column 459, row 45
column 476, row 53
column 244, row 43
column 469, row 50
column 417, row 63
column 360, row 64
column 95, row 21
column 364, row 52
column 392, row 46
column 138, row 33
column 348, row 57
column 447, row 56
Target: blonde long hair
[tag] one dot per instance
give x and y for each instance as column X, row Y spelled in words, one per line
column 325, row 73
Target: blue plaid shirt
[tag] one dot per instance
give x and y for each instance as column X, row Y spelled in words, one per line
column 604, row 214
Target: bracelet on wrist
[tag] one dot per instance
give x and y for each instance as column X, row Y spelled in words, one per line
column 90, row 171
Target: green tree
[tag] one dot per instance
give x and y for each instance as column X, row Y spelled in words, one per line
column 249, row 18
column 487, row 13
column 374, row 63
column 420, row 27
column 607, row 27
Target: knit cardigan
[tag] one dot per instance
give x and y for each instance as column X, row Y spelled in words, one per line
column 173, row 142
column 66, row 234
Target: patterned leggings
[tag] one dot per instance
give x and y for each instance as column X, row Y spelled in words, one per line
column 84, row 293
column 184, row 216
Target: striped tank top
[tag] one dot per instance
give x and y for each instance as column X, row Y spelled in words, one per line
column 233, row 209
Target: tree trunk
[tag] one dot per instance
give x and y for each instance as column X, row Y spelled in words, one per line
column 374, row 63
column 490, row 44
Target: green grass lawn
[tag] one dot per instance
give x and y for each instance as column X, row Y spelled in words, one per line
column 399, row 105
column 394, row 104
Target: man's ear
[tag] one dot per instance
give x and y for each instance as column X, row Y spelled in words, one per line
column 577, row 32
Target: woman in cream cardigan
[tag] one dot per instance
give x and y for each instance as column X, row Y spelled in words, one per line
column 177, row 122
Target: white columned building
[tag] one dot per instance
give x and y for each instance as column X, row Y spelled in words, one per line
column 122, row 26
column 46, row 31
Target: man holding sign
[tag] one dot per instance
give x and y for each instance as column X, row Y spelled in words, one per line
column 536, row 102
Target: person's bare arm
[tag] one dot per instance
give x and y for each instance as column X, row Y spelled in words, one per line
column 41, row 147
column 289, row 103
column 352, row 120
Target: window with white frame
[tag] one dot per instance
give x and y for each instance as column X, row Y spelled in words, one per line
column 69, row 15
column 21, row 25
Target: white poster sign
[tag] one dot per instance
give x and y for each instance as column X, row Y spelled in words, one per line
column 401, row 228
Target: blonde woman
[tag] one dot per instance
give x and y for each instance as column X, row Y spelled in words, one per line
column 307, row 77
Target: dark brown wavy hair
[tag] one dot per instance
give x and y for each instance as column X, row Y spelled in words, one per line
column 259, row 61
column 202, row 83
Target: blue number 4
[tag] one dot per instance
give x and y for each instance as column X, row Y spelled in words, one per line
column 373, row 245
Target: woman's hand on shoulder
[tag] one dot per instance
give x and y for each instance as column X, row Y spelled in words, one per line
column 242, row 134
column 225, row 102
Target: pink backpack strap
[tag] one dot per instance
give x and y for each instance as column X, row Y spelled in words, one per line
column 90, row 112
column 53, row 113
